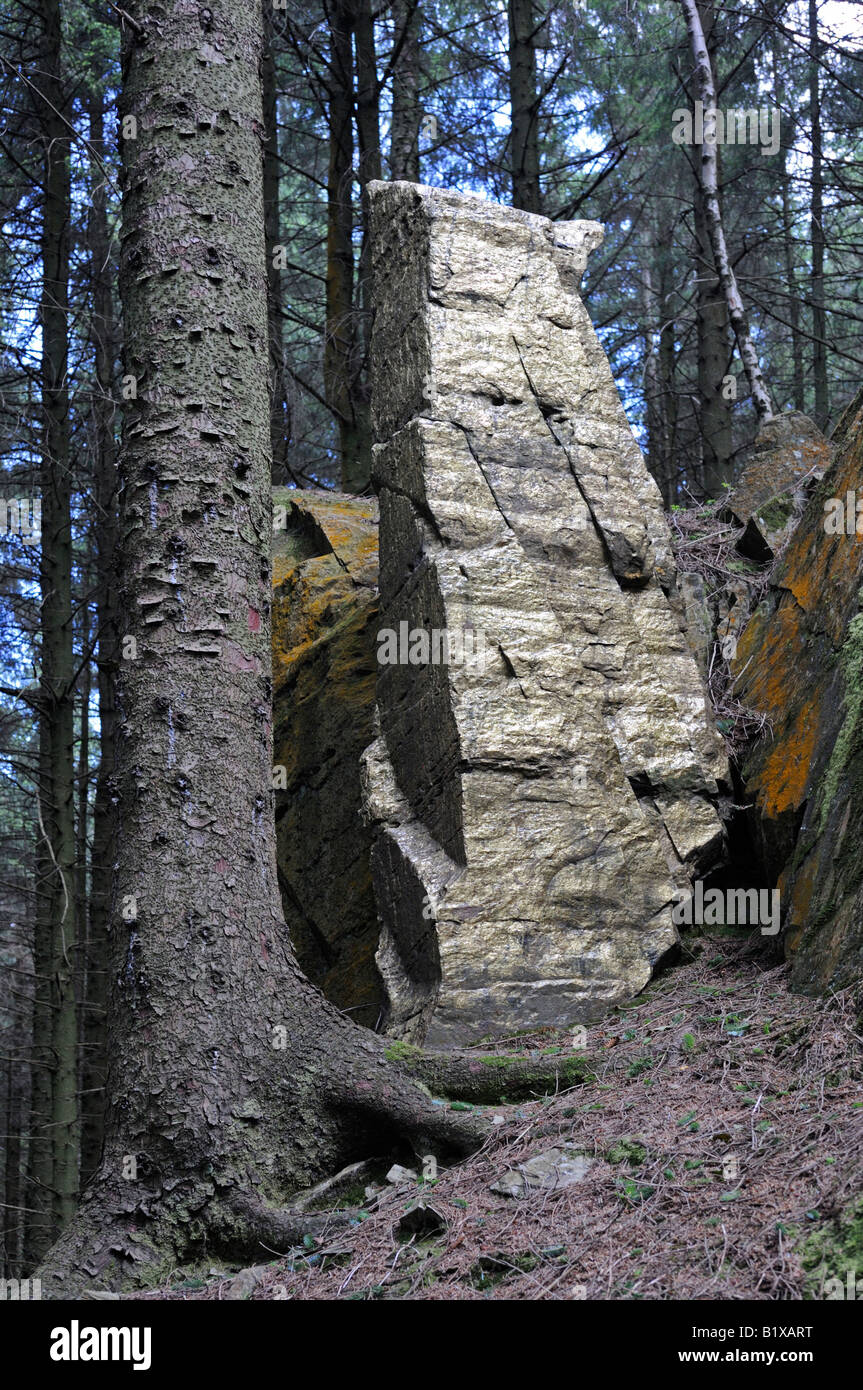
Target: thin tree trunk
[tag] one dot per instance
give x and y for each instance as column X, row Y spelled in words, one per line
column 407, row 114
column 524, row 106
column 797, row 386
column 341, row 350
column 54, row 1142
column 709, row 177
column 103, row 338
column 83, row 775
column 656, row 461
column 82, row 859
column 711, row 322
column 713, row 361
column 368, row 94
column 370, row 167
column 819, row 316
column 798, row 383
column 667, row 367
column 12, row 1221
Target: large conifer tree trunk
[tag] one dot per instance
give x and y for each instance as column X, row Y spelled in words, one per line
column 231, row 1082
column 280, row 412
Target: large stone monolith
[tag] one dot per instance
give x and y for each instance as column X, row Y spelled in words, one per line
column 536, row 800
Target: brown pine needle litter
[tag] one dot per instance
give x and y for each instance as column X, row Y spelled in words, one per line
column 724, row 1122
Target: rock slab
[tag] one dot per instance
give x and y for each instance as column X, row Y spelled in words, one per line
column 779, row 472
column 800, row 662
column 533, row 808
column 325, row 565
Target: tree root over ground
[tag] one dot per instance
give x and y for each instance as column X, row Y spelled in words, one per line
column 715, row 1070
column 127, row 1239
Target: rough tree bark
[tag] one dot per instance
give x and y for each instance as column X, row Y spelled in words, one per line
column 104, row 345
column 280, row 416
column 342, row 349
column 524, row 106
column 54, row 1138
column 709, row 175
column 819, row 315
column 407, row 114
column 232, row 1081
column 793, row 298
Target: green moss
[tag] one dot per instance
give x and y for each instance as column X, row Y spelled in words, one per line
column 634, row 1193
column 630, row 1151
column 834, row 1248
column 640, row 1065
column 402, row 1052
column 492, row 1079
column 851, row 658
column 776, row 513
column 491, row 1269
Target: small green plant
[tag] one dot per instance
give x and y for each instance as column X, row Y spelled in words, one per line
column 630, row 1151
column 634, row 1193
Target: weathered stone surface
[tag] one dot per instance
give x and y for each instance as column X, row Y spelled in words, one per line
column 545, row 1172
column 244, row 1284
column 800, row 661
column 699, row 622
column 533, row 811
column 324, row 622
column 789, row 456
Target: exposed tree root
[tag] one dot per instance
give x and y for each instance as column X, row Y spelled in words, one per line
column 249, row 1228
column 377, row 1102
column 331, row 1187
column 487, row 1080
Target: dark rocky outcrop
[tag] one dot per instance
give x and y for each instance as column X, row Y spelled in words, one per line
column 324, row 620
column 777, row 478
column 800, row 661
column 527, row 811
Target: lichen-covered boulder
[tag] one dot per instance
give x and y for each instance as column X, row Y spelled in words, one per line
column 800, row 661
column 325, row 564
column 779, row 472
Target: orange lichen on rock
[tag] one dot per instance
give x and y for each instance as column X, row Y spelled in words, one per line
column 800, row 662
column 325, row 606
column 771, row 676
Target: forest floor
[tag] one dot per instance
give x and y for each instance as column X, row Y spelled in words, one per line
column 723, row 1126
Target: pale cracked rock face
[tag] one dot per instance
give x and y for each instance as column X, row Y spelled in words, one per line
column 535, row 803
